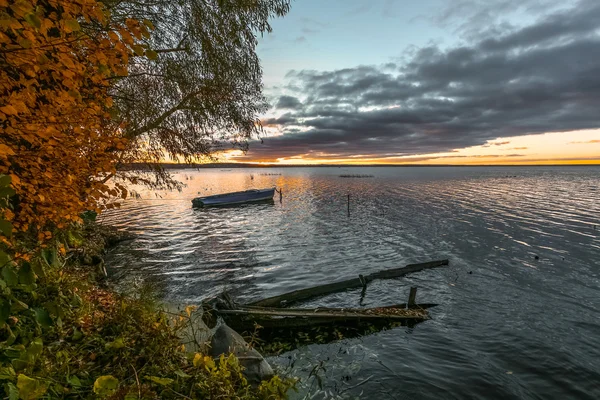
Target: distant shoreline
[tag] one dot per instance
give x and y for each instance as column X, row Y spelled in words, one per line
column 245, row 165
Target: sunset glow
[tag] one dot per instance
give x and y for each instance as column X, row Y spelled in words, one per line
column 577, row 147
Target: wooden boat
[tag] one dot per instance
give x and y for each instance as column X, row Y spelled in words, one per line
column 246, row 196
column 243, row 318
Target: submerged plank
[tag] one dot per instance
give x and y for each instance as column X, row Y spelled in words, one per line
column 304, row 294
column 318, row 309
column 409, row 269
column 279, row 318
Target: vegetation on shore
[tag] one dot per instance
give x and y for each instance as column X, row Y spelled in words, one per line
column 87, row 86
column 63, row 335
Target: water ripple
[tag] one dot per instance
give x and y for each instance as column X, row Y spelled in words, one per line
column 519, row 304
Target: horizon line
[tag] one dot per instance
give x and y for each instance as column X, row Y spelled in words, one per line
column 275, row 165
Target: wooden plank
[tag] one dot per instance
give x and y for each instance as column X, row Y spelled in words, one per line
column 409, row 269
column 280, row 318
column 317, row 309
column 304, row 294
column 310, row 314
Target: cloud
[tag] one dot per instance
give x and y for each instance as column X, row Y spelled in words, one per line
column 540, row 78
column 496, row 144
column 474, row 18
column 300, row 39
column 288, row 102
column 360, row 10
column 586, row 142
column 309, row 31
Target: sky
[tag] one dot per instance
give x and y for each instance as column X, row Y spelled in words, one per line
column 432, row 82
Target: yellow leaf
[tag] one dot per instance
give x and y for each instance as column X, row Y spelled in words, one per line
column 139, row 50
column 71, row 25
column 4, row 149
column 197, row 360
column 25, row 43
column 149, row 24
column 151, row 54
column 9, row 110
column 30, row 388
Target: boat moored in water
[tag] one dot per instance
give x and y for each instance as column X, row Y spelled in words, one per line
column 246, row 196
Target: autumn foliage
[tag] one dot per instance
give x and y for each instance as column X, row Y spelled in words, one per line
column 57, row 139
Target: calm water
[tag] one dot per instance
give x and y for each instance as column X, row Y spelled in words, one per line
column 508, row 325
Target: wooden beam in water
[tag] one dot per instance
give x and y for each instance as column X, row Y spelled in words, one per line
column 412, row 297
column 280, row 318
column 304, row 294
column 409, row 269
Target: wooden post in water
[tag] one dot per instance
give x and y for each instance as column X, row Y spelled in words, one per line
column 363, row 292
column 412, row 297
column 280, row 195
column 348, row 204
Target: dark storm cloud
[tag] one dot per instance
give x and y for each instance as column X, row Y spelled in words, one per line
column 288, row 102
column 540, row 78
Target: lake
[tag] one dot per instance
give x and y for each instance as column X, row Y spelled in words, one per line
column 519, row 305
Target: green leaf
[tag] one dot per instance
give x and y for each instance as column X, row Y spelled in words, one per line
column 11, row 337
column 77, row 335
column 13, row 392
column 4, row 310
column 42, row 317
column 26, row 275
column 10, row 276
column 5, row 180
column 18, row 305
column 133, row 395
column 35, row 349
column 46, row 256
column 38, row 269
column 6, row 228
column 182, row 374
column 14, row 352
column 160, row 381
column 6, row 192
column 4, row 258
column 33, row 20
column 7, row 374
column 19, row 364
column 116, row 344
column 74, row 381
column 30, row 388
column 105, row 385
column 151, row 54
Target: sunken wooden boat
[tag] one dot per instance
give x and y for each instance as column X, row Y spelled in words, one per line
column 245, row 318
column 246, row 196
column 274, row 313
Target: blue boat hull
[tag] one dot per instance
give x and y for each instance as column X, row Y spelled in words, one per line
column 247, row 196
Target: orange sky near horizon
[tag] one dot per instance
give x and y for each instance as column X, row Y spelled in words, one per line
column 575, row 147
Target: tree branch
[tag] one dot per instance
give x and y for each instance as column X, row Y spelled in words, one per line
column 156, row 122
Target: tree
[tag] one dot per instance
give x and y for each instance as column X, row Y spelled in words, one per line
column 200, row 89
column 58, row 59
